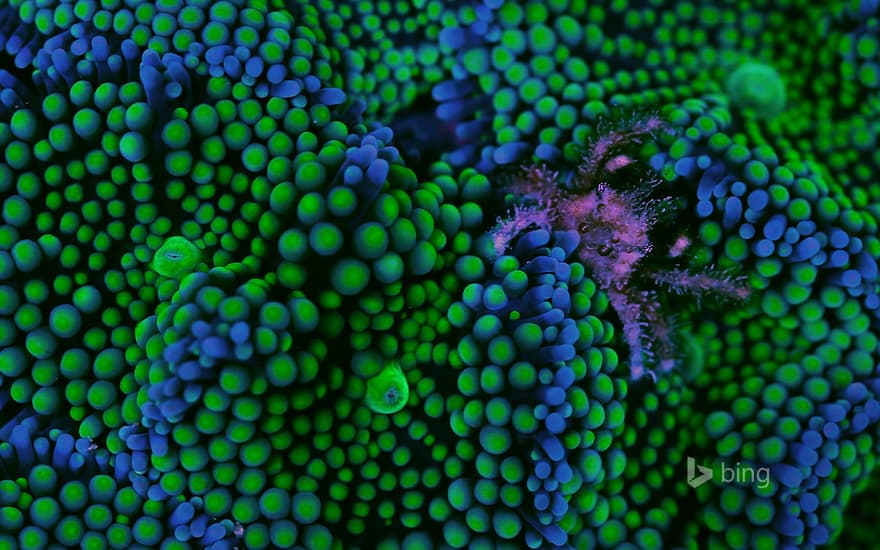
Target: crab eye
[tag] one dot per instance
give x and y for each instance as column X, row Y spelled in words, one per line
column 584, row 227
column 604, row 250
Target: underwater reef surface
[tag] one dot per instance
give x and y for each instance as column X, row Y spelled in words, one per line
column 415, row 274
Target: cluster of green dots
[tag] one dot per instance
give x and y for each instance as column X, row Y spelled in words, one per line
column 787, row 216
column 391, row 50
column 247, row 39
column 853, row 40
column 810, row 244
column 270, row 413
column 56, row 491
column 546, row 74
column 268, row 331
column 231, row 443
column 771, row 402
column 508, row 362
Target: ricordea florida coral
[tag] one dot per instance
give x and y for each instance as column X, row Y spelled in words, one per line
column 253, row 296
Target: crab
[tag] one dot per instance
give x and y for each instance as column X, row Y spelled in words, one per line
column 614, row 217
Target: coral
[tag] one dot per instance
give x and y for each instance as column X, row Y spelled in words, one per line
column 784, row 409
column 390, row 55
column 251, row 295
column 388, row 391
column 176, row 257
column 60, row 491
column 534, row 340
column 615, row 227
column 757, row 89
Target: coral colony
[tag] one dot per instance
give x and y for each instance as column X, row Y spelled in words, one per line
column 253, row 296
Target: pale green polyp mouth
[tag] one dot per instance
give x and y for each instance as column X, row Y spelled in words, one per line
column 388, row 391
column 176, row 257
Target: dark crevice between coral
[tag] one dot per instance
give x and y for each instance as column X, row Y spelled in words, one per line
column 422, row 136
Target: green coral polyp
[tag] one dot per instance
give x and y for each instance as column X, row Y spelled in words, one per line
column 176, row 257
column 388, row 391
column 757, row 88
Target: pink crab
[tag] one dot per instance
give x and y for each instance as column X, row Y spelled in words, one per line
column 615, row 226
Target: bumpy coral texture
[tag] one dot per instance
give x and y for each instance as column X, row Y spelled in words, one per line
column 252, row 294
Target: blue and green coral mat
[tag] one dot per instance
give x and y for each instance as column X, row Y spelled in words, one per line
column 257, row 290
